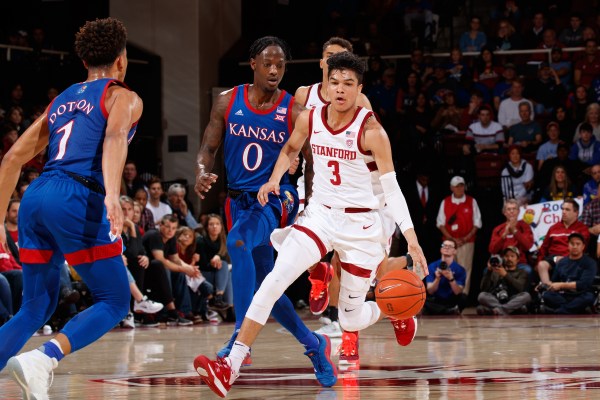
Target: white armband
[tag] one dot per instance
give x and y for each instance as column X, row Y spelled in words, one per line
column 395, row 201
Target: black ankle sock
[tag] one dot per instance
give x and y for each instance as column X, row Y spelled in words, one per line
column 333, row 313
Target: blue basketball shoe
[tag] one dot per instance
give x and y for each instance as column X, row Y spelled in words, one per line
column 325, row 370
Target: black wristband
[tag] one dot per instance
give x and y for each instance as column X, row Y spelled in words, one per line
column 451, row 280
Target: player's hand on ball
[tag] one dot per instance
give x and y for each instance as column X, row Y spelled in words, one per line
column 419, row 261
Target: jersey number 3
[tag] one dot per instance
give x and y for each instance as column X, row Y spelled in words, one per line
column 337, row 179
column 62, row 145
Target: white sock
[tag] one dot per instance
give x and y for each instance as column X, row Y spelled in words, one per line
column 236, row 356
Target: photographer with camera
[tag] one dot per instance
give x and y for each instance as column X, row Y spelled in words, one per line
column 503, row 287
column 445, row 283
column 570, row 290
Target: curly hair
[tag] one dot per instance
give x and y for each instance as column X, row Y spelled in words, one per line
column 260, row 44
column 100, row 42
column 346, row 60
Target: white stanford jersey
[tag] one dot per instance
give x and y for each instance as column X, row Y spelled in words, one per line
column 342, row 178
column 314, row 98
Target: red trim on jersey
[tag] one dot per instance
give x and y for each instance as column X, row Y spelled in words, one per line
column 372, row 166
column 289, row 116
column 313, row 236
column 310, row 123
column 342, row 129
column 356, row 270
column 228, row 214
column 95, row 253
column 284, row 216
column 230, row 105
column 35, row 256
column 319, row 86
column 103, row 97
column 352, row 210
column 360, row 132
column 262, row 112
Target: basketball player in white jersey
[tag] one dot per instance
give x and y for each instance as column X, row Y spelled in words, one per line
column 324, row 277
column 342, row 215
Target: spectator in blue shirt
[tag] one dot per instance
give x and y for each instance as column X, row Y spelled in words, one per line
column 445, row 283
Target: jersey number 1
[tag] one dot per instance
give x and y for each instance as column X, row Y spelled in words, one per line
column 62, row 145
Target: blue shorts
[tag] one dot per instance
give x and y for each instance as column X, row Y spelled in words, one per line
column 61, row 215
column 280, row 211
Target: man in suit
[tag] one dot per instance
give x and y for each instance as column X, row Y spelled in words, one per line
column 423, row 199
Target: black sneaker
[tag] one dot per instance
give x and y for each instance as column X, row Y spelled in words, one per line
column 146, row 321
column 219, row 304
column 174, row 319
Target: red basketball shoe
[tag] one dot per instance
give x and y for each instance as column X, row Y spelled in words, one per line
column 320, row 277
column 349, row 348
column 217, row 374
column 405, row 330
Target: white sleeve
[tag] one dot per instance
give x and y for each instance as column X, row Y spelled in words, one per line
column 396, row 201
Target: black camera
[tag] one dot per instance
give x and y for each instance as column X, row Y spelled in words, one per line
column 502, row 293
column 443, row 266
column 496, row 261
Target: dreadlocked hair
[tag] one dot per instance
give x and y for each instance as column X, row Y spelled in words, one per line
column 260, row 44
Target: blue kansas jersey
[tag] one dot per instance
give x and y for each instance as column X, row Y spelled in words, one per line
column 254, row 138
column 77, row 122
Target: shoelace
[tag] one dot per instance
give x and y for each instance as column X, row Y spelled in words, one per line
column 316, row 360
column 347, row 348
column 400, row 325
column 318, row 290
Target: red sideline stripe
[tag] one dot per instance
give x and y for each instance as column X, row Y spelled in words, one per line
column 35, row 256
column 313, row 236
column 96, row 253
column 229, row 222
column 356, row 270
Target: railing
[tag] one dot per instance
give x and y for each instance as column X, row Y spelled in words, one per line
column 447, row 54
column 61, row 54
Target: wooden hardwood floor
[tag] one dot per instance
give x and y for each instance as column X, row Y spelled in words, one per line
column 467, row 357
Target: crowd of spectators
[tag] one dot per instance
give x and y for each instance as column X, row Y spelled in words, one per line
column 536, row 116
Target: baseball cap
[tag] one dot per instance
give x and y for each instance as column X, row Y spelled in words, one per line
column 457, row 180
column 513, row 249
column 577, row 235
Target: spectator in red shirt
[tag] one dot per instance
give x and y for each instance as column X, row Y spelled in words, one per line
column 556, row 242
column 588, row 68
column 513, row 232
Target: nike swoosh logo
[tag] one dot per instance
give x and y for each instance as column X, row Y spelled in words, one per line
column 367, row 227
column 346, row 310
column 353, row 297
column 385, row 289
column 315, row 132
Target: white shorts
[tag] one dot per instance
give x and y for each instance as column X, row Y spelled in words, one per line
column 357, row 237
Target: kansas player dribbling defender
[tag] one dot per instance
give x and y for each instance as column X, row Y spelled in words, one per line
column 72, row 210
column 254, row 122
column 342, row 214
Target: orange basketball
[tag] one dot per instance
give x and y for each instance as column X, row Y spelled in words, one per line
column 400, row 294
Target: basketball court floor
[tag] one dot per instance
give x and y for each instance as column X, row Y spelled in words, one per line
column 465, row 357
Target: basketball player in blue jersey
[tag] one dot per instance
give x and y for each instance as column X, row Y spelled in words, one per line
column 72, row 210
column 254, row 122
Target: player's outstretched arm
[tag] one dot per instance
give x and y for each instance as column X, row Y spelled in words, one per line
column 31, row 142
column 288, row 153
column 124, row 108
column 376, row 140
column 211, row 141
